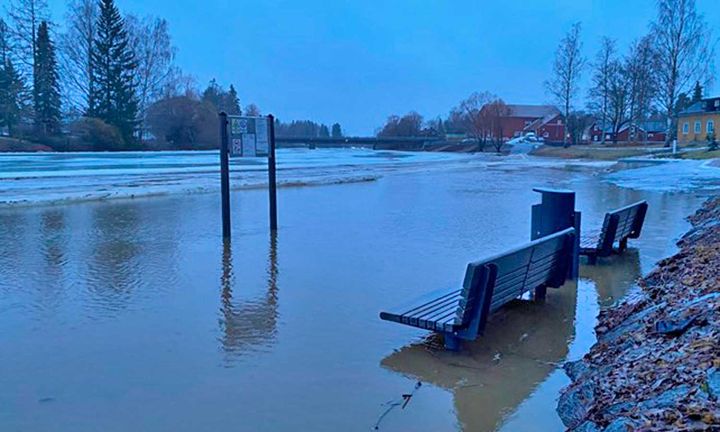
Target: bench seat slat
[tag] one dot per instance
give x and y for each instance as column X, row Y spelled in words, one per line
column 490, row 284
column 438, row 309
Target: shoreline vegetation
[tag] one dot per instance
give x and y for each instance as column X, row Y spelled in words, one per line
column 656, row 365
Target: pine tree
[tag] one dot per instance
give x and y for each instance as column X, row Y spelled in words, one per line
column 697, row 92
column 12, row 96
column 46, row 89
column 324, row 132
column 113, row 64
column 336, row 131
column 212, row 94
column 233, row 103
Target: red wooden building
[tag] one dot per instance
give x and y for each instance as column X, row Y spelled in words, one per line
column 543, row 120
column 649, row 131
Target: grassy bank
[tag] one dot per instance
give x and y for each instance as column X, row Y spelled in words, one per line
column 697, row 155
column 8, row 144
column 604, row 153
column 656, row 365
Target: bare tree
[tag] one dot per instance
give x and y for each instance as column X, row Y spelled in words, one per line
column 252, row 110
column 618, row 98
column 5, row 43
column 26, row 16
column 639, row 68
column 567, row 68
column 473, row 118
column 180, row 84
column 76, row 46
column 682, row 41
column 494, row 113
column 599, row 94
column 577, row 124
column 154, row 55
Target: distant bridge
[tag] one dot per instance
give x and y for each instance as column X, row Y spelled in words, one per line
column 377, row 143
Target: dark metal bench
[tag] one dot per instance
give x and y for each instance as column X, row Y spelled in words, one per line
column 619, row 226
column 489, row 284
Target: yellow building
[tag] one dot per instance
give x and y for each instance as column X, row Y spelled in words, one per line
column 698, row 121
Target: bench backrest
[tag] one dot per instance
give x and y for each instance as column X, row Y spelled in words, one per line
column 625, row 222
column 492, row 282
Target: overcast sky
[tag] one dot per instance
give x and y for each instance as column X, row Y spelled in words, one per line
column 356, row 62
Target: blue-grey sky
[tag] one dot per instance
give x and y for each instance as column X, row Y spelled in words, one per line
column 357, row 62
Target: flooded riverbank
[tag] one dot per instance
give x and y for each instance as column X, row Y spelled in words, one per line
column 130, row 314
column 656, row 365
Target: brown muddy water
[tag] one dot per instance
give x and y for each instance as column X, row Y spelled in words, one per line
column 132, row 315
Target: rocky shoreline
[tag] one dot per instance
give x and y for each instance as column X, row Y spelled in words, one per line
column 656, row 365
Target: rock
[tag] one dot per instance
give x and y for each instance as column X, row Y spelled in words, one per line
column 575, row 369
column 573, row 405
column 632, row 324
column 666, row 399
column 588, row 426
column 698, row 231
column 685, row 315
column 620, row 424
column 713, row 383
column 618, row 409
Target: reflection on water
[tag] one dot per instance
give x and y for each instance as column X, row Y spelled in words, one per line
column 113, row 266
column 522, row 344
column 614, row 276
column 250, row 324
column 135, row 306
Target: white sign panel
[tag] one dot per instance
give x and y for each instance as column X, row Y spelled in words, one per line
column 249, row 136
column 262, row 141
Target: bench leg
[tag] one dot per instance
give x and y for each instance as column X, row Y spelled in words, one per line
column 623, row 244
column 452, row 342
column 540, row 293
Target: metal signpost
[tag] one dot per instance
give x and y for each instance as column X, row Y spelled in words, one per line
column 246, row 137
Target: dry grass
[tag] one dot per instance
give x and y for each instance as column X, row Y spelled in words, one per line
column 700, row 155
column 589, row 152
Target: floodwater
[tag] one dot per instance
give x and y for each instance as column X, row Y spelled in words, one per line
column 131, row 314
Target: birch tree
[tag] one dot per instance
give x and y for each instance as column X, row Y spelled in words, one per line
column 26, row 16
column 567, row 69
column 5, row 43
column 13, row 94
column 154, row 56
column 599, row 94
column 682, row 41
column 618, row 102
column 76, row 46
column 639, row 69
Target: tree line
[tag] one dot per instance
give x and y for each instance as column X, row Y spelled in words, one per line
column 107, row 81
column 660, row 74
column 478, row 117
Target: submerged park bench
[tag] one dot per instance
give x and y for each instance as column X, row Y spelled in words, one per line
column 488, row 285
column 619, row 226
